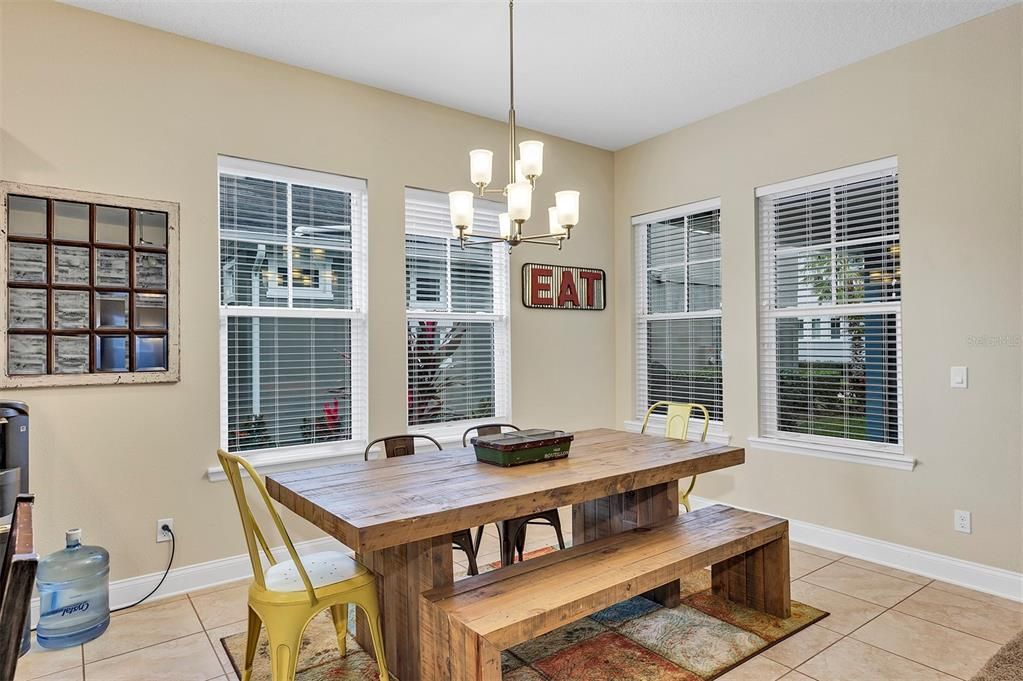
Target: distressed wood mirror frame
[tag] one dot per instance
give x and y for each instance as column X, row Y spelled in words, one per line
column 121, row 281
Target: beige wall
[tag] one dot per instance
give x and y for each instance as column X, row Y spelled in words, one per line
column 949, row 107
column 93, row 103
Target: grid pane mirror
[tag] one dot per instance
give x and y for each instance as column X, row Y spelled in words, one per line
column 90, row 287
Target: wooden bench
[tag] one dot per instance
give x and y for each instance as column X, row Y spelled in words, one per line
column 465, row 626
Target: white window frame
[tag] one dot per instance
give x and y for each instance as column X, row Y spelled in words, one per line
column 716, row 432
column 277, row 458
column 450, row 432
column 769, row 437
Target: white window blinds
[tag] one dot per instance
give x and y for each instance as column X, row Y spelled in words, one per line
column 678, row 307
column 292, row 306
column 830, row 322
column 457, row 310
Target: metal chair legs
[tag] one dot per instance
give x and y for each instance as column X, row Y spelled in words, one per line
column 463, row 541
column 513, row 533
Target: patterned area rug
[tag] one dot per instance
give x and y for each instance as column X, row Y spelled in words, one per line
column 637, row 640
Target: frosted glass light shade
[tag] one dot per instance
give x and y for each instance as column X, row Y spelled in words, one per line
column 531, row 154
column 460, row 205
column 552, row 220
column 481, row 166
column 519, row 176
column 504, row 223
column 520, row 201
column 567, row 203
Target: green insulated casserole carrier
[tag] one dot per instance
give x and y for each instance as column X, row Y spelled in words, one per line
column 522, row 446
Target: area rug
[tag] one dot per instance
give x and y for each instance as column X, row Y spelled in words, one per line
column 636, row 640
column 1007, row 663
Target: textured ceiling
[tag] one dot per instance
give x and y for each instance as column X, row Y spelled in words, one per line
column 605, row 73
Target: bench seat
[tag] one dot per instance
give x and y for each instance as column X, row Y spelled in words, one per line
column 466, row 625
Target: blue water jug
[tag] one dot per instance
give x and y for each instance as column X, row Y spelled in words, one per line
column 74, row 594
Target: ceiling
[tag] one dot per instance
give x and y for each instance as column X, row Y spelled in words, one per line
column 604, row 73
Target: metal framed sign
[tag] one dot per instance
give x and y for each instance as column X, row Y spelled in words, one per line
column 562, row 287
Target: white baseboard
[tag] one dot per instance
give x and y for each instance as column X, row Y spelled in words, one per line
column 198, row 576
column 990, row 580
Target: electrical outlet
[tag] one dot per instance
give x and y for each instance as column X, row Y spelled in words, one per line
column 162, row 536
column 963, row 522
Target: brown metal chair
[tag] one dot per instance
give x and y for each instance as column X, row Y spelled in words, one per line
column 512, row 532
column 16, row 578
column 405, row 445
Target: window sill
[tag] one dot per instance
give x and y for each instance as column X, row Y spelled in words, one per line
column 715, row 433
column 835, row 453
column 302, row 456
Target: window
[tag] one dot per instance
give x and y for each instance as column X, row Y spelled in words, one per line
column 678, row 307
column 829, row 259
column 292, row 306
column 457, row 302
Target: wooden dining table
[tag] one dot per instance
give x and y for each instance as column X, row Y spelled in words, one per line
column 398, row 514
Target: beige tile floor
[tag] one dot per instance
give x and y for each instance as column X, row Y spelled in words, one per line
column 886, row 625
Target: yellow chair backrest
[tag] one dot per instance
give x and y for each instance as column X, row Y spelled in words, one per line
column 676, row 424
column 254, row 537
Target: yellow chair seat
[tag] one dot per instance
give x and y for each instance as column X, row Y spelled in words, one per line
column 323, row 568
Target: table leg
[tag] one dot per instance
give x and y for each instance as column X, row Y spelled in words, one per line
column 403, row 572
column 619, row 512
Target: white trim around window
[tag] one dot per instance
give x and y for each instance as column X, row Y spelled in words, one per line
column 830, row 322
column 678, row 323
column 463, row 292
column 315, row 223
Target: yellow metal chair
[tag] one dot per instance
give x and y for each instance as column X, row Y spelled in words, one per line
column 288, row 594
column 677, row 426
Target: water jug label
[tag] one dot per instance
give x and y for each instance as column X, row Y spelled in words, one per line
column 76, row 608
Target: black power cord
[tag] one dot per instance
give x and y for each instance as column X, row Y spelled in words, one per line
column 168, row 530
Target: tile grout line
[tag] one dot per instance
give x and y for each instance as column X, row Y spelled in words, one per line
column 831, row 562
column 1011, row 606
column 917, row 662
column 922, row 664
column 206, row 633
column 135, row 650
column 213, row 645
column 940, row 624
column 887, row 609
column 919, row 587
column 937, row 624
column 878, row 572
column 862, row 600
column 195, row 610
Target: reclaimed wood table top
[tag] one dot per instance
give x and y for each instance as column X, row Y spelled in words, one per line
column 377, row 504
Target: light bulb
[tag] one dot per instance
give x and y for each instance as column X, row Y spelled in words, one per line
column 460, row 204
column 520, row 201
column 531, row 153
column 481, row 166
column 568, row 207
column 504, row 222
column 552, row 221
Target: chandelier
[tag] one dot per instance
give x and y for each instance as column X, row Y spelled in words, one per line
column 522, row 176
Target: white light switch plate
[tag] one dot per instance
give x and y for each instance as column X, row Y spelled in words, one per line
column 958, row 377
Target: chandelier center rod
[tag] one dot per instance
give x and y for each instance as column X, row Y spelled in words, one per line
column 511, row 91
